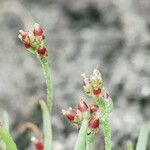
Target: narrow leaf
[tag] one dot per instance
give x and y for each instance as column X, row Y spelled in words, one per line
column 6, row 137
column 143, row 138
column 46, row 126
column 6, row 120
column 80, row 143
column 130, row 146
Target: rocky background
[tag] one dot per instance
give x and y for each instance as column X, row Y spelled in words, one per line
column 81, row 34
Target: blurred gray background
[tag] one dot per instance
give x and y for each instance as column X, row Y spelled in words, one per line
column 80, row 34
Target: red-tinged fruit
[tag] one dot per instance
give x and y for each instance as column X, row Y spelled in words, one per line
column 96, row 91
column 94, row 108
column 39, row 145
column 82, row 106
column 71, row 114
column 38, row 31
column 24, row 37
column 42, row 51
column 94, row 123
column 27, row 45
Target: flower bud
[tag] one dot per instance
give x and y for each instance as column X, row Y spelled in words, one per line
column 39, row 145
column 27, row 45
column 38, row 31
column 94, row 108
column 24, row 37
column 71, row 114
column 82, row 106
column 94, row 123
column 96, row 91
column 42, row 51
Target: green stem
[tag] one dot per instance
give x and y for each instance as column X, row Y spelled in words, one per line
column 88, row 145
column 47, row 129
column 130, row 146
column 6, row 120
column 107, row 134
column 80, row 143
column 143, row 138
column 48, row 80
column 6, row 137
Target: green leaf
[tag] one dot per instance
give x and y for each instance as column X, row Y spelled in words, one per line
column 80, row 143
column 2, row 145
column 6, row 120
column 88, row 145
column 46, row 126
column 143, row 138
column 130, row 145
column 107, row 134
column 6, row 137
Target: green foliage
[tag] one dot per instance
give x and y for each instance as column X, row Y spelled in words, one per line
column 46, row 126
column 6, row 120
column 130, row 146
column 7, row 139
column 143, row 138
column 80, row 143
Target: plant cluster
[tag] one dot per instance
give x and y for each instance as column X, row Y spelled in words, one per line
column 86, row 117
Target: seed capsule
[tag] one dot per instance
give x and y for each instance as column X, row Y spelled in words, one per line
column 96, row 91
column 24, row 37
column 39, row 145
column 82, row 106
column 71, row 114
column 94, row 123
column 42, row 51
column 38, row 31
column 94, row 108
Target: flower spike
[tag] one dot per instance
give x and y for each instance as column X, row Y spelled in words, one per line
column 34, row 41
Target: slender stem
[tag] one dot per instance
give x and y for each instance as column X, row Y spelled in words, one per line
column 47, row 109
column 6, row 120
column 47, row 129
column 88, row 145
column 107, row 134
column 143, row 138
column 6, row 137
column 130, row 146
column 80, row 143
column 48, row 80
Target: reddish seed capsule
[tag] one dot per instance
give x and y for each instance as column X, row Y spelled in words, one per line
column 97, row 91
column 42, row 51
column 94, row 108
column 39, row 145
column 27, row 45
column 82, row 106
column 38, row 31
column 24, row 37
column 94, row 123
column 71, row 114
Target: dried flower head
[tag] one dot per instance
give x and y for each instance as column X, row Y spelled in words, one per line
column 83, row 111
column 34, row 41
